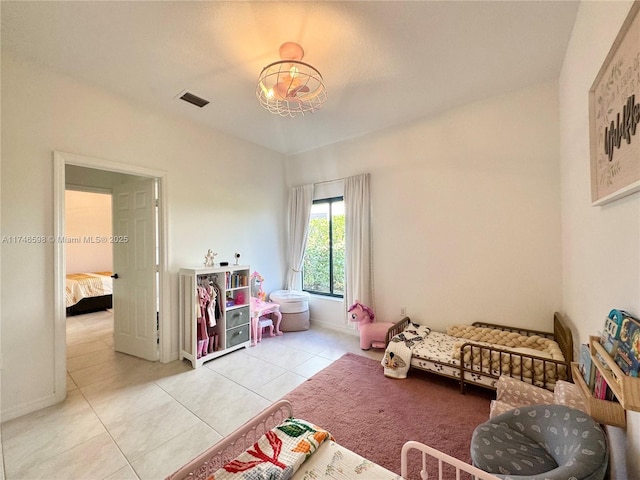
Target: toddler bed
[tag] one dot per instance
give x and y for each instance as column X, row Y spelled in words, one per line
column 88, row 292
column 273, row 445
column 487, row 352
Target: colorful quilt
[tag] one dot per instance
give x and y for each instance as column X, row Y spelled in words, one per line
column 277, row 455
column 397, row 356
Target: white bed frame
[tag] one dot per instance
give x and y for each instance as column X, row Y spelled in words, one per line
column 443, row 460
column 204, row 465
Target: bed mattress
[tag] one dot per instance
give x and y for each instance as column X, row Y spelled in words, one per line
column 333, row 461
column 87, row 285
column 435, row 354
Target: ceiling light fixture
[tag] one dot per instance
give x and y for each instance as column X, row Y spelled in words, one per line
column 289, row 86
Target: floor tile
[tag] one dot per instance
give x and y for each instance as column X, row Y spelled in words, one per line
column 215, row 399
column 175, row 453
column 141, row 434
column 32, row 439
column 250, row 372
column 129, row 402
column 119, row 364
column 90, row 359
column 126, row 418
column 85, row 348
column 71, row 385
column 310, row 341
column 125, row 473
column 277, row 388
column 280, row 354
column 96, row 458
column 312, row 366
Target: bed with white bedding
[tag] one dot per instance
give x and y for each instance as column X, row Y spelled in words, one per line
column 88, row 292
column 487, row 352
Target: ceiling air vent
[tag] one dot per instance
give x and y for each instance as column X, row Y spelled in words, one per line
column 193, row 99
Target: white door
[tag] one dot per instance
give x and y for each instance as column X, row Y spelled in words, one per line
column 134, row 264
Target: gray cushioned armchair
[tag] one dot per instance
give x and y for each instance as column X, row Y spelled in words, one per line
column 541, row 442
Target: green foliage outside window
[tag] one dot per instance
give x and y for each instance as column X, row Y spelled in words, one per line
column 316, row 268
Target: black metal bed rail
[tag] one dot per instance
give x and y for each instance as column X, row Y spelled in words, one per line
column 482, row 364
column 522, row 331
column 396, row 329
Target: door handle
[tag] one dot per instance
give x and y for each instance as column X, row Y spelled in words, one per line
column 115, row 275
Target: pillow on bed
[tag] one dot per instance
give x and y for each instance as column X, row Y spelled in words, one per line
column 532, row 351
column 569, row 394
column 517, row 393
column 506, row 339
column 277, row 454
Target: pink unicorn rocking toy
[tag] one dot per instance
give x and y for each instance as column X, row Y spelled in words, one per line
column 372, row 334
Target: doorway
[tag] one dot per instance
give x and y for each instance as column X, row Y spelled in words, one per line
column 84, row 173
column 88, row 265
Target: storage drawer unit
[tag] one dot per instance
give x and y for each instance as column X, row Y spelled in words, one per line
column 238, row 316
column 238, row 335
column 201, row 342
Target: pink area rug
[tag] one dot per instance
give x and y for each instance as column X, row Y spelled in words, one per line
column 374, row 416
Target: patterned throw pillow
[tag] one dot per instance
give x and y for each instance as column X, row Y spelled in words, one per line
column 517, row 393
column 569, row 394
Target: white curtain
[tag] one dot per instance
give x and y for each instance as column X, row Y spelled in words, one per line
column 300, row 201
column 358, row 266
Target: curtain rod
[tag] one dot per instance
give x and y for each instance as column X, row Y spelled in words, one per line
column 339, row 179
column 330, row 181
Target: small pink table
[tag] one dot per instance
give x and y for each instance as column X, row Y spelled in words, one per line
column 258, row 309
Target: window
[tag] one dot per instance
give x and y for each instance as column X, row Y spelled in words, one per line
column 323, row 267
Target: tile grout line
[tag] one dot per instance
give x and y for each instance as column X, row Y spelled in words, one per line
column 108, row 433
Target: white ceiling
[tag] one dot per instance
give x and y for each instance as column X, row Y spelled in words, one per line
column 384, row 63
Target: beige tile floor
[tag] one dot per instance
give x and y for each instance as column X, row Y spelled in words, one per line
column 126, row 418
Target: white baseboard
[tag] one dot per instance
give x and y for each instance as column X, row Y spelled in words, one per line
column 172, row 357
column 333, row 326
column 30, row 407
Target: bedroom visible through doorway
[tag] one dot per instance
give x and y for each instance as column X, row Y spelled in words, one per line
column 87, row 222
column 139, row 218
column 100, row 241
column 111, row 254
column 88, row 270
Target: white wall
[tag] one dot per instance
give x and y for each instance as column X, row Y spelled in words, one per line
column 465, row 205
column 1, row 356
column 87, row 215
column 601, row 245
column 223, row 193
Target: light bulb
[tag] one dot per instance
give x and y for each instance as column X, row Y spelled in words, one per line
column 268, row 92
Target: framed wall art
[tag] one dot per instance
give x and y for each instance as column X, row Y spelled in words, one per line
column 614, row 117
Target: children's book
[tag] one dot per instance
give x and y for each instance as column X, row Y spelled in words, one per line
column 586, row 367
column 600, row 386
column 610, row 335
column 627, row 354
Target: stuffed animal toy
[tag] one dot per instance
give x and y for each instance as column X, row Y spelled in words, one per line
column 372, row 334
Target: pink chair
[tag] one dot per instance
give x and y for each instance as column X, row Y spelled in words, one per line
column 265, row 322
